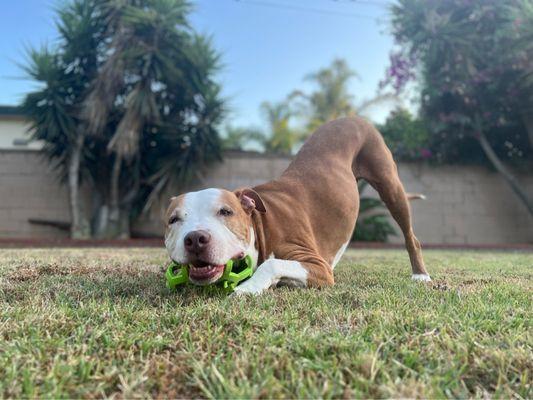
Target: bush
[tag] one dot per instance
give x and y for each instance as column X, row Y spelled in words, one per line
column 406, row 136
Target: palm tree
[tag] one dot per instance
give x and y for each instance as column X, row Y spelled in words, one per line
column 141, row 44
column 281, row 137
column 143, row 116
column 236, row 137
column 332, row 98
column 54, row 108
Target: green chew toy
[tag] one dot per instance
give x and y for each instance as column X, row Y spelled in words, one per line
column 234, row 273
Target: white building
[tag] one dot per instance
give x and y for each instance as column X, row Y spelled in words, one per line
column 14, row 129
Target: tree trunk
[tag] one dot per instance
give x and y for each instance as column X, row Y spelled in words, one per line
column 110, row 228
column 79, row 228
column 112, row 218
column 101, row 221
column 114, row 190
column 124, row 231
column 527, row 118
column 500, row 167
column 106, row 227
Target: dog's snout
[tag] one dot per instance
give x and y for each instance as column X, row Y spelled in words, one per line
column 196, row 241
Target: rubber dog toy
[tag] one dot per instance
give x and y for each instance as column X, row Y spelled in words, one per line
column 235, row 272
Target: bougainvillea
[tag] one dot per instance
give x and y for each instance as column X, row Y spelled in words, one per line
column 473, row 62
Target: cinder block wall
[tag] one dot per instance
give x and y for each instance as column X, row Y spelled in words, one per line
column 465, row 205
column 29, row 188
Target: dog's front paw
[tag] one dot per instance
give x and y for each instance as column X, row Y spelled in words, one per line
column 421, row 277
column 247, row 289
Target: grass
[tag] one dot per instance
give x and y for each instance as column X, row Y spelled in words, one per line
column 99, row 322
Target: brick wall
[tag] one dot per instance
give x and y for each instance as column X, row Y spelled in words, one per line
column 465, row 205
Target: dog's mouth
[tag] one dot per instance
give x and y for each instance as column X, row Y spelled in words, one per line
column 203, row 273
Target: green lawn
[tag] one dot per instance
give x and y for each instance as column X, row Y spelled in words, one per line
column 100, row 322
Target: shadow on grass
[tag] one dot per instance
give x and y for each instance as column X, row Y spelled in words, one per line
column 50, row 283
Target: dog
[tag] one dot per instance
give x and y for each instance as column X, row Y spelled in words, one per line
column 296, row 227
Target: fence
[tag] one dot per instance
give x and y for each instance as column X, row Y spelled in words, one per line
column 465, row 205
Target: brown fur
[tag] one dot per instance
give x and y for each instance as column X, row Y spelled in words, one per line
column 310, row 211
column 172, row 209
column 239, row 223
column 313, row 206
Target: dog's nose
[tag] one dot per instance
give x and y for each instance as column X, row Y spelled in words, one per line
column 196, row 241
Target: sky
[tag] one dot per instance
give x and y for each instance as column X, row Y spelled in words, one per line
column 267, row 46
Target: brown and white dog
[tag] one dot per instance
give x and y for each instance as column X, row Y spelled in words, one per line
column 297, row 227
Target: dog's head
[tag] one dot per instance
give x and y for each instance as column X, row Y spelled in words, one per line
column 206, row 229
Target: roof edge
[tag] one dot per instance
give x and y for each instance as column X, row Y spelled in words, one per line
column 11, row 111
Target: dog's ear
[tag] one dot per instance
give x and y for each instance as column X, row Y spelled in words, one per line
column 250, row 200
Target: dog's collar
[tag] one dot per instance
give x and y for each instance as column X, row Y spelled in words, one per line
column 235, row 272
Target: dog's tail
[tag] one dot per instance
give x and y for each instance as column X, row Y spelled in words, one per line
column 415, row 196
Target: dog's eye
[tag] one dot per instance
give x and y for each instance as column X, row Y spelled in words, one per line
column 225, row 212
column 173, row 219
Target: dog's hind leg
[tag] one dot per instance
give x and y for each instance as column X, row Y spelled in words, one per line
column 393, row 195
column 378, row 167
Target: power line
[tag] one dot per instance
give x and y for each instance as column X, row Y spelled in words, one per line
column 306, row 9
column 386, row 3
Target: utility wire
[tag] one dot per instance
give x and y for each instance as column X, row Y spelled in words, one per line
column 385, row 3
column 306, row 9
